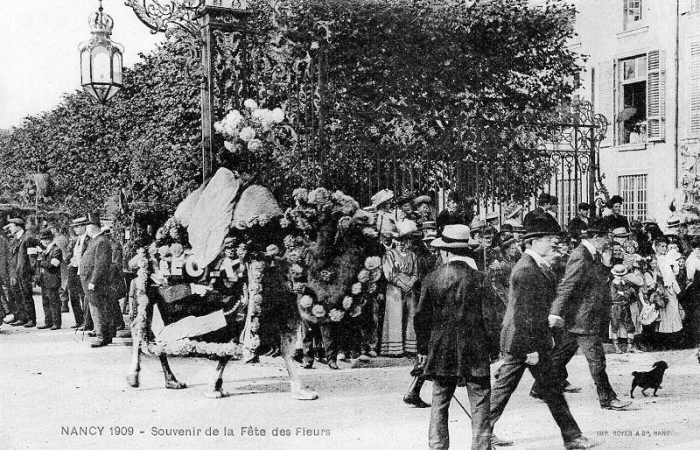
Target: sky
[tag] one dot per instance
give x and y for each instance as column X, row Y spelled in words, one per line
column 39, row 59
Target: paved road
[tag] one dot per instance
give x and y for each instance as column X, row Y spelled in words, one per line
column 57, row 392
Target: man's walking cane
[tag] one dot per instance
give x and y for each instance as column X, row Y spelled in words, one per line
column 461, row 406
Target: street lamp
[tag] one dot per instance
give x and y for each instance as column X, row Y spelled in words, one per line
column 101, row 59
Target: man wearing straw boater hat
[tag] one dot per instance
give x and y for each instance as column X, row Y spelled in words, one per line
column 74, row 250
column 452, row 339
column 526, row 340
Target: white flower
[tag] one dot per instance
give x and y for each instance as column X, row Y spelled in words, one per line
column 264, row 116
column 218, row 127
column 306, row 301
column 356, row 288
column 250, row 104
column 230, row 146
column 278, row 115
column 255, row 145
column 347, row 302
column 336, row 315
column 232, row 120
column 372, row 262
column 318, row 311
column 247, row 133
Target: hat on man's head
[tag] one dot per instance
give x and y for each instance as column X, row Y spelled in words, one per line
column 507, row 239
column 454, row 196
column 620, row 232
column 619, row 270
column 453, row 236
column 553, row 200
column 544, row 198
column 597, row 226
column 492, row 216
column 539, row 226
column 508, row 227
column 382, row 196
column 584, row 206
column 79, row 222
column 673, row 222
column 422, row 199
column 93, row 219
column 46, row 234
column 429, row 235
column 229, row 242
column 477, row 225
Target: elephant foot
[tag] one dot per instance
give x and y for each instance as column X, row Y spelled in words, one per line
column 299, row 393
column 173, row 384
column 133, row 379
column 216, row 393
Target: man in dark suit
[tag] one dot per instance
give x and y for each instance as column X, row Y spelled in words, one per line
column 526, row 341
column 74, row 251
column 452, row 339
column 8, row 306
column 23, row 249
column 453, row 214
column 582, row 307
column 95, row 276
column 579, row 223
column 50, row 269
column 546, row 208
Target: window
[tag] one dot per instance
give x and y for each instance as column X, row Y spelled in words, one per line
column 633, row 12
column 632, row 116
column 633, row 190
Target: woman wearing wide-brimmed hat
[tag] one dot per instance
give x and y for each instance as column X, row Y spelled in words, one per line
column 400, row 267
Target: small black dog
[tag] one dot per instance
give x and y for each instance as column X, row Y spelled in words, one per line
column 649, row 380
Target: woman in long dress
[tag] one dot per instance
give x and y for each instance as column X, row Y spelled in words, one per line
column 669, row 316
column 400, row 267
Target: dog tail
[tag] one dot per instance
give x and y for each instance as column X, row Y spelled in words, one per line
column 634, row 374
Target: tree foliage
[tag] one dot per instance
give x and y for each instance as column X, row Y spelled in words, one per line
column 427, row 85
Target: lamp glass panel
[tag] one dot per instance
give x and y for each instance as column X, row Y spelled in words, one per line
column 101, row 67
column 84, row 67
column 117, row 65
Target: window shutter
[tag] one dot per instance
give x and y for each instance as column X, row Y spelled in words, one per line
column 605, row 94
column 656, row 95
column 695, row 88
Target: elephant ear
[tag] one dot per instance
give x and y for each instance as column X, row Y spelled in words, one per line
column 211, row 218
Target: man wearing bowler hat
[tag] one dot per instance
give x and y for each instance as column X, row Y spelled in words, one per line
column 23, row 249
column 451, row 337
column 582, row 308
column 546, row 207
column 50, row 271
column 526, row 341
column 95, row 276
column 579, row 224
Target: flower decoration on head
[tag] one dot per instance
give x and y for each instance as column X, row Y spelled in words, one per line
column 363, row 276
column 347, row 302
column 318, row 311
column 336, row 315
column 373, row 262
column 306, row 301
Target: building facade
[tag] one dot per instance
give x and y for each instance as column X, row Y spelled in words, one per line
column 642, row 73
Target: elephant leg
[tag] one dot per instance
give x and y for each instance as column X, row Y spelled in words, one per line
column 170, row 380
column 214, row 389
column 287, row 351
column 133, row 376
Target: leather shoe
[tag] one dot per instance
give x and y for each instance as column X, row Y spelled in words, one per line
column 333, row 365
column 498, row 442
column 29, row 324
column 536, row 395
column 415, row 400
column 18, row 323
column 579, row 442
column 91, row 333
column 616, row 405
column 44, row 326
column 55, row 327
column 98, row 343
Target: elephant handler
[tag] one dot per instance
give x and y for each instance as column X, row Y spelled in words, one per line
column 451, row 337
